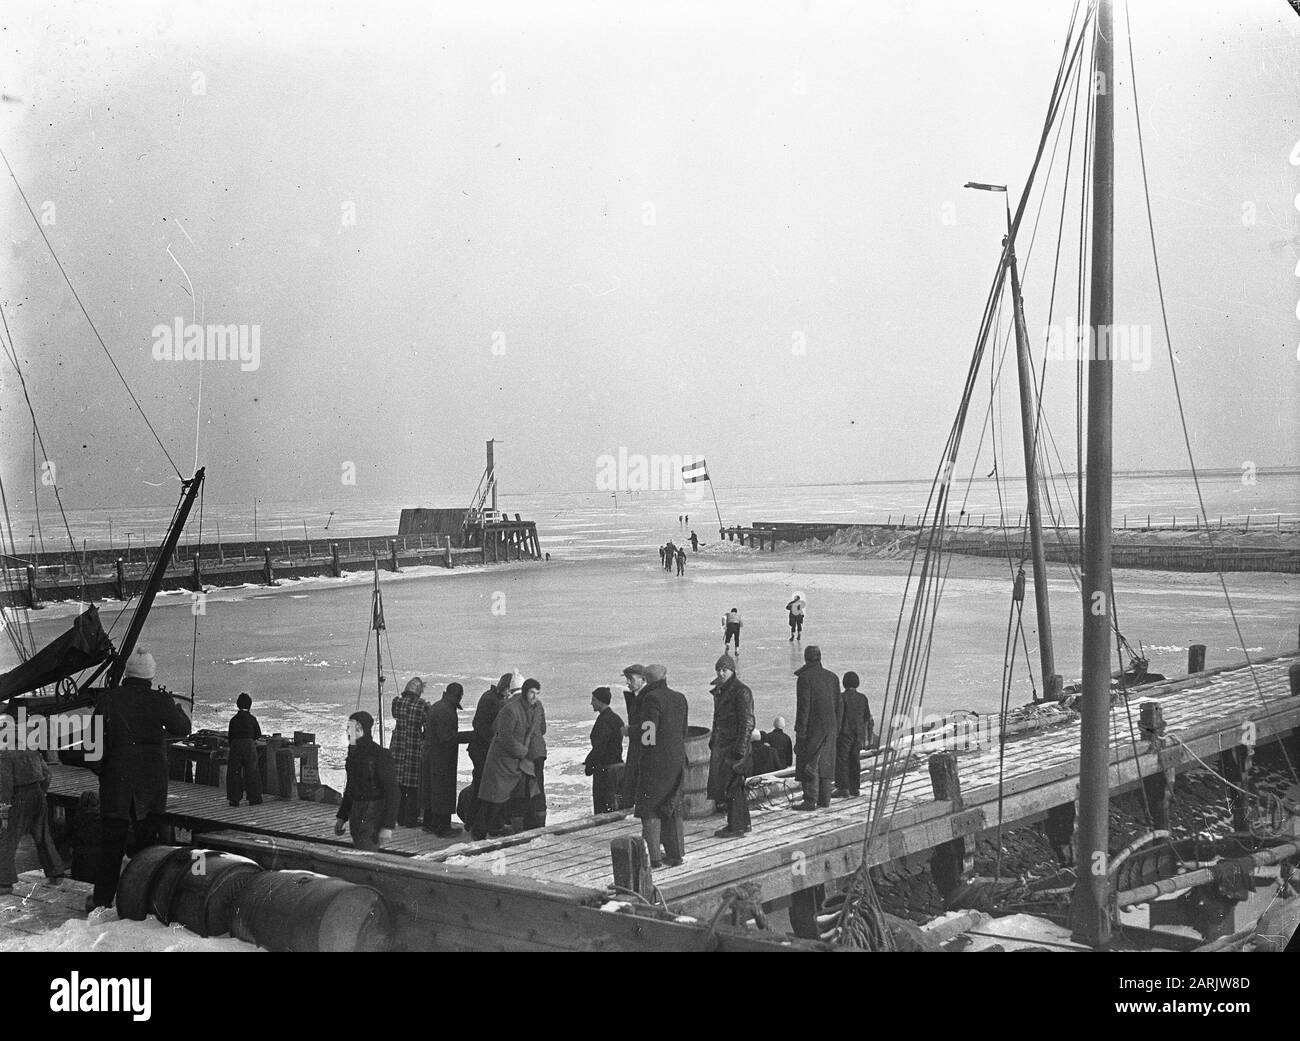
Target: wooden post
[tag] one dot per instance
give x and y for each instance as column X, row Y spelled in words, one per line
column 949, row 861
column 482, row 546
column 1195, row 658
column 284, row 774
column 1158, row 787
column 631, row 862
column 33, row 598
column 268, row 572
column 121, row 579
column 446, row 551
column 392, row 555
column 335, row 568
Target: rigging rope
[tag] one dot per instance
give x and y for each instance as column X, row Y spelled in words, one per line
column 59, row 264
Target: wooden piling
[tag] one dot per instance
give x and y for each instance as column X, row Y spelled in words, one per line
column 631, row 862
column 121, row 579
column 335, row 568
column 949, row 862
column 392, row 555
column 1195, row 658
column 268, row 572
column 1235, row 764
column 446, row 551
column 33, row 598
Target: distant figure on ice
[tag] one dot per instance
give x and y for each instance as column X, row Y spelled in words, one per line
column 856, row 732
column 679, row 520
column 658, row 729
column 24, row 780
column 688, row 520
column 372, row 795
column 780, row 743
column 796, row 607
column 242, row 772
column 438, row 762
column 670, row 554
column 695, row 543
column 733, row 727
column 604, row 763
column 407, row 746
column 662, row 551
column 681, row 560
column 731, row 624
column 133, row 774
column 816, row 729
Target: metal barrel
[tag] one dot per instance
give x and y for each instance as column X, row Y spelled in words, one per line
column 303, row 911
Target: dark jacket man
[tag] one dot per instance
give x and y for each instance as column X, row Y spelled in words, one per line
column 733, row 731
column 820, row 710
column 243, row 772
column 855, row 733
column 485, row 718
column 660, row 736
column 604, row 763
column 372, row 795
column 438, row 765
column 764, row 756
column 136, row 721
column 779, row 741
column 662, row 739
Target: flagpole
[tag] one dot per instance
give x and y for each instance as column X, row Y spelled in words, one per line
column 721, row 528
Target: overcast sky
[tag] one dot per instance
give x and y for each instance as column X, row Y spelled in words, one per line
column 579, row 228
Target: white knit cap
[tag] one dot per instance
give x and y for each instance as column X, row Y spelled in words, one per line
column 516, row 680
column 140, row 665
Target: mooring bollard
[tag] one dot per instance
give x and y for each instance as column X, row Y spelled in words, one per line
column 268, row 572
column 121, row 580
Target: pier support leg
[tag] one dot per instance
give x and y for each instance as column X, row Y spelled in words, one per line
column 1195, row 658
column 33, row 597
column 951, row 860
column 1059, row 828
column 268, row 572
column 392, row 556
column 632, row 866
column 335, row 569
column 121, row 579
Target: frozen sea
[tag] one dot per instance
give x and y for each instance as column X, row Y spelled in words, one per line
column 603, row 602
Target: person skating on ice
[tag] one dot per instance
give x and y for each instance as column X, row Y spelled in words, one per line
column 796, row 607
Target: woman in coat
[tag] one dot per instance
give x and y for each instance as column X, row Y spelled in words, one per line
column 508, row 764
column 438, row 763
column 409, row 708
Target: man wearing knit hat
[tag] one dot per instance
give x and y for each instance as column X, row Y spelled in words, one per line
column 733, row 727
column 137, row 720
column 855, row 733
column 817, row 722
column 372, row 795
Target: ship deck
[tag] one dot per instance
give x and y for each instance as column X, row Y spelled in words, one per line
column 787, row 850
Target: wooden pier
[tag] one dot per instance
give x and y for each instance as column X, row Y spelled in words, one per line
column 789, row 855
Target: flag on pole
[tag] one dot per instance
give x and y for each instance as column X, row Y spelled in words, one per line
column 695, row 472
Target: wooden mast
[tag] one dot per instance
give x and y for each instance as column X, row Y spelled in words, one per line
column 1090, row 906
column 1028, row 424
column 165, row 552
column 377, row 623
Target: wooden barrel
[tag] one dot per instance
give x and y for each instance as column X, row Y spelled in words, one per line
column 303, row 911
column 696, row 784
column 200, row 892
column 135, row 887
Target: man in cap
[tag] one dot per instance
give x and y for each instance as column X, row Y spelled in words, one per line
column 372, row 795
column 438, row 762
column 660, row 733
column 816, row 729
column 242, row 770
column 855, row 733
column 604, row 763
column 509, row 766
column 733, row 725
column 635, row 675
column 136, row 721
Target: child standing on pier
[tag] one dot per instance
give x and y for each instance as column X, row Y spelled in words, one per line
column 242, row 773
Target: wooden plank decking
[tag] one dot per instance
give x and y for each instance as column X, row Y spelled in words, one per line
column 788, row 851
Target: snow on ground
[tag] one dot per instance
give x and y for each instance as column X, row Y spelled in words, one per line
column 105, row 932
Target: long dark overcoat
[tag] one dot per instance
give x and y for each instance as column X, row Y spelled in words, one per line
column 441, row 751
column 136, row 722
column 661, row 756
